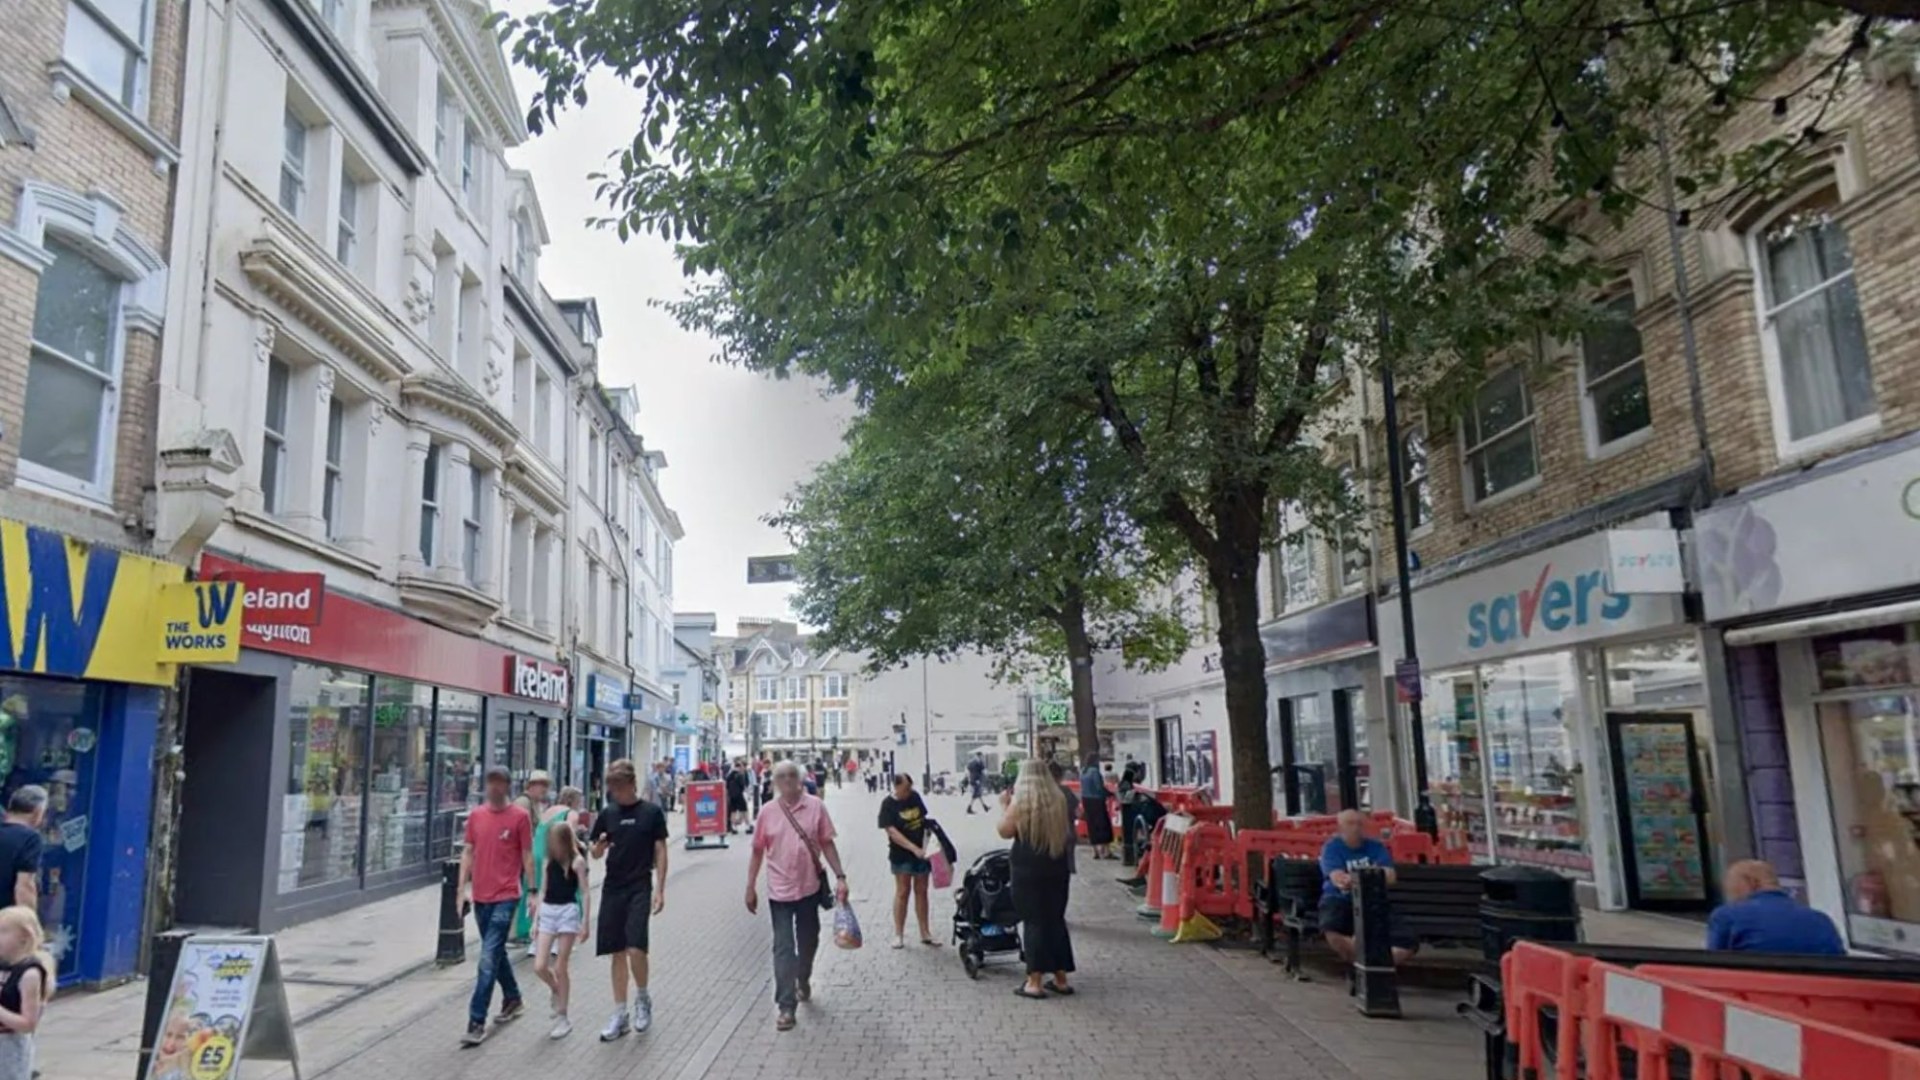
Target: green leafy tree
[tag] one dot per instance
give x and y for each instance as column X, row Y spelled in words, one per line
column 948, row 525
column 1177, row 219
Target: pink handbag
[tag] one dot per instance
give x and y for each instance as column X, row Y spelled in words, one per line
column 942, row 869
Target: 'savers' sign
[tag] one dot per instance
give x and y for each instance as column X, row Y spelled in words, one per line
column 529, row 678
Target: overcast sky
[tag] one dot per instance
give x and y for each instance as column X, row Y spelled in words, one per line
column 736, row 442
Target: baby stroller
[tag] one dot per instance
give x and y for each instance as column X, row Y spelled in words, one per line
column 984, row 920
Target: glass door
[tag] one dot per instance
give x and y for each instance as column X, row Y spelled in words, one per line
column 1171, row 772
column 1662, row 810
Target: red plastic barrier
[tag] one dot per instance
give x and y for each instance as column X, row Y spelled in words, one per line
column 1212, row 877
column 1655, row 1019
column 1886, row 1010
column 1533, row 976
column 1162, row 854
column 1179, row 800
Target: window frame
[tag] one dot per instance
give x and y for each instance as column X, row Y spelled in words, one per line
column 833, row 686
column 1530, row 422
column 761, row 689
column 1589, row 411
column 1411, row 503
column 274, row 439
column 473, row 534
column 430, row 484
column 1351, row 536
column 290, row 170
column 347, row 220
column 134, row 95
column 1301, row 532
column 469, row 164
column 796, row 723
column 335, row 14
column 794, row 688
column 98, row 487
column 333, row 480
column 833, row 724
column 1785, row 445
column 446, row 117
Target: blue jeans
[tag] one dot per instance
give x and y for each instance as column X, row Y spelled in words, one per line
column 494, row 921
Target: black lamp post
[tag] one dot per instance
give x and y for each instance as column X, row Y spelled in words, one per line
column 1424, row 817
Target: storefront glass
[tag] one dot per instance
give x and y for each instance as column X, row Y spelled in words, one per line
column 1869, row 720
column 1534, row 762
column 457, row 767
column 1316, row 766
column 320, row 841
column 48, row 732
column 1356, row 710
column 1455, row 778
column 397, row 804
column 1656, row 675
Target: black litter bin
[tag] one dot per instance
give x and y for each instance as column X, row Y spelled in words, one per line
column 1525, row 903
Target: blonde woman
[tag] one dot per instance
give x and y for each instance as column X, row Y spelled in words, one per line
column 26, row 983
column 1039, row 821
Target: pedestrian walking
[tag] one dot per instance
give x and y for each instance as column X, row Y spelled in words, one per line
column 557, row 816
column 497, row 857
column 1094, row 808
column 26, row 985
column 21, row 844
column 565, row 903
column 903, row 816
column 631, row 834
column 792, row 836
column 660, row 784
column 1040, row 824
column 532, row 799
column 737, row 777
column 977, row 782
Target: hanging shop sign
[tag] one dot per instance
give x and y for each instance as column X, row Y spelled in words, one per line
column 538, row 681
column 228, row 1004
column 200, row 621
column 1553, row 599
column 1790, row 546
column 83, row 611
column 1644, row 562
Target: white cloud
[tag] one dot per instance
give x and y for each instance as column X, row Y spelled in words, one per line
column 736, row 442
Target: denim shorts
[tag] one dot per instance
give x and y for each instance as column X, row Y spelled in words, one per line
column 906, row 864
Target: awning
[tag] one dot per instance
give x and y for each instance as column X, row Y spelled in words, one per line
column 1830, row 623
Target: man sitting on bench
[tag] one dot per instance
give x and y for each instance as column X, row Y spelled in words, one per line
column 1348, row 850
column 1759, row 916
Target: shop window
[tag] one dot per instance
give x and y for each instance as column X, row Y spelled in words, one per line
column 1864, row 659
column 397, row 799
column 1497, row 437
column 50, row 737
column 1814, row 340
column 320, row 823
column 1356, row 710
column 1315, row 759
column 1533, row 762
column 1655, row 675
column 1613, row 378
column 456, row 766
column 1871, row 746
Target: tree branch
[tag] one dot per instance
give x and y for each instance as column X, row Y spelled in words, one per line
column 1173, row 506
column 1306, row 371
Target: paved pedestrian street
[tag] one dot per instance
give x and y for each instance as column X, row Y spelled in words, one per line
column 1145, row 1009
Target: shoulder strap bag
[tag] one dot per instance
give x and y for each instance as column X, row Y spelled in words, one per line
column 825, row 894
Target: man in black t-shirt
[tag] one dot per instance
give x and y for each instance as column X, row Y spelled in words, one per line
column 20, row 843
column 631, row 834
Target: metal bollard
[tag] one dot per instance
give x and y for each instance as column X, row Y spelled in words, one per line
column 1375, row 990
column 453, row 922
column 162, row 962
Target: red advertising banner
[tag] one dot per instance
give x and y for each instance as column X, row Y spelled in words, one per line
column 276, row 597
column 353, row 633
column 706, row 808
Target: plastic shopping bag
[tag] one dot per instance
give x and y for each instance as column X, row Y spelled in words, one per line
column 846, row 928
column 942, row 869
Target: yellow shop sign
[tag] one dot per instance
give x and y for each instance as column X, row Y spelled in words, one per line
column 79, row 610
column 200, row 622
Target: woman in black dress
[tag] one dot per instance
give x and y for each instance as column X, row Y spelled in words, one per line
column 1039, row 822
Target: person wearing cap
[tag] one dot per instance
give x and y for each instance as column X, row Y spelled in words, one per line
column 532, row 799
column 496, row 859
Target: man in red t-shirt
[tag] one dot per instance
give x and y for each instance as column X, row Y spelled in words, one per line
column 498, row 855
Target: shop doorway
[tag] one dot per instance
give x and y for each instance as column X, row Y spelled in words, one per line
column 1661, row 792
column 1167, row 728
column 522, row 742
column 1322, row 753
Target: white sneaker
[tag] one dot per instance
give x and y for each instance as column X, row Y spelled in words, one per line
column 562, row 1027
column 899, row 941
column 616, row 1025
column 642, row 1013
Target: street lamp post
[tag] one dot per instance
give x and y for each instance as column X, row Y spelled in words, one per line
column 1424, row 817
column 926, row 728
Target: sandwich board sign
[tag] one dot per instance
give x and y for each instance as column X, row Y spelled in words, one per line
column 228, row 1004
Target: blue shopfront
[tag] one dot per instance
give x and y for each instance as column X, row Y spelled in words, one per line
column 81, row 694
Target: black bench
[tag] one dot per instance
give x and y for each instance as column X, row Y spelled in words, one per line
column 1432, row 904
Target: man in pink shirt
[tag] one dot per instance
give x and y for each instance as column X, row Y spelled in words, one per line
column 791, row 835
column 497, row 856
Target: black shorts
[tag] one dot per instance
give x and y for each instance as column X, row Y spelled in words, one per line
column 1336, row 917
column 622, row 925
column 736, row 804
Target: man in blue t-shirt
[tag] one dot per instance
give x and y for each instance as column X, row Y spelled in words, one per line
column 1759, row 916
column 1348, row 850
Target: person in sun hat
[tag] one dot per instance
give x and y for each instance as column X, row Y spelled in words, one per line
column 533, row 798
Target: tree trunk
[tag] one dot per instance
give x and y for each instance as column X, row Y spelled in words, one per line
column 1233, row 572
column 1086, row 727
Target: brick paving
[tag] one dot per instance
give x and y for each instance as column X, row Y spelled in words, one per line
column 1145, row 1009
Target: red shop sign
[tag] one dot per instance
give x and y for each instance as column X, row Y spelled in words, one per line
column 278, row 598
column 529, row 678
column 357, row 634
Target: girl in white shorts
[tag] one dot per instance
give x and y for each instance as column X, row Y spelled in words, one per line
column 564, row 898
